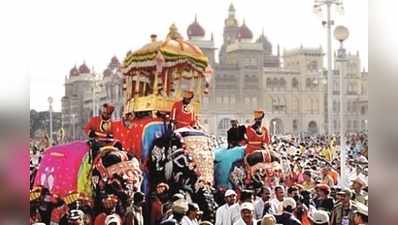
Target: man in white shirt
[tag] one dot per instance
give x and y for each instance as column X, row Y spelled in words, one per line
column 190, row 217
column 277, row 201
column 245, row 196
column 223, row 214
column 262, row 205
column 247, row 214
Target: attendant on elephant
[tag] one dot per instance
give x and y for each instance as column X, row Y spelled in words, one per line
column 183, row 113
column 122, row 131
column 101, row 126
column 236, row 134
column 257, row 135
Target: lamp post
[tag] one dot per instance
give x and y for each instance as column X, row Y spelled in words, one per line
column 329, row 23
column 341, row 33
column 73, row 126
column 50, row 110
column 274, row 127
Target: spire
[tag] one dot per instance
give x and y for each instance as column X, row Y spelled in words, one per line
column 173, row 32
column 196, row 18
column 231, row 8
column 212, row 37
column 279, row 51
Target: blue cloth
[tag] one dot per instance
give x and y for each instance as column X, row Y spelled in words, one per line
column 224, row 159
column 152, row 131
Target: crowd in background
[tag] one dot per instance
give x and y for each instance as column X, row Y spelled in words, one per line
column 304, row 188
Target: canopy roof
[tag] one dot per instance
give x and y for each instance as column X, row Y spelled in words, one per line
column 173, row 52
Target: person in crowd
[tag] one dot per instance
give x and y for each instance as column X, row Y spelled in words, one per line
column 320, row 217
column 323, row 201
column 246, row 196
column 343, row 212
column 160, row 199
column 179, row 209
column 262, row 205
column 191, row 216
column 113, row 219
column 327, row 179
column 293, row 192
column 308, row 182
column 167, row 206
column 109, row 205
column 101, row 126
column 183, row 113
column 257, row 135
column 358, row 184
column 134, row 215
column 361, row 215
column 235, row 134
column 267, row 219
column 277, row 201
column 223, row 213
column 76, row 217
column 287, row 217
column 303, row 210
column 246, row 214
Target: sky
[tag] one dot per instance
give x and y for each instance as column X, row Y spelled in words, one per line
column 46, row 38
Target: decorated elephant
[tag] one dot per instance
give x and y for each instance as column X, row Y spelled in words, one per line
column 178, row 158
column 83, row 175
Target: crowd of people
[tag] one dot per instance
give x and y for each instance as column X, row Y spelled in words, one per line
column 302, row 189
column 303, row 186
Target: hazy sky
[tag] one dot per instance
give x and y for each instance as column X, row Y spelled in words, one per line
column 52, row 36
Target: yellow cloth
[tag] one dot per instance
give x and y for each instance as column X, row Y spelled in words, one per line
column 308, row 185
column 327, row 153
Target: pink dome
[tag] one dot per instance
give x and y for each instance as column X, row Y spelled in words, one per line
column 74, row 72
column 195, row 30
column 83, row 68
column 244, row 32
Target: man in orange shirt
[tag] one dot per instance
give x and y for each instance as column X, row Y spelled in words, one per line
column 257, row 135
column 182, row 112
column 101, row 126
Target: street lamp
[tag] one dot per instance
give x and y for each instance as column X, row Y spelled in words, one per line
column 73, row 125
column 341, row 33
column 329, row 23
column 274, row 127
column 50, row 110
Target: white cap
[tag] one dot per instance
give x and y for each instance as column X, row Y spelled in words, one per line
column 247, row 205
column 361, row 208
column 229, row 192
column 360, row 181
column 113, row 218
column 288, row 201
column 320, row 216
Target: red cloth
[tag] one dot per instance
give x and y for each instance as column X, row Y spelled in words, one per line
column 100, row 219
column 183, row 115
column 123, row 134
column 156, row 212
column 100, row 126
column 255, row 141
